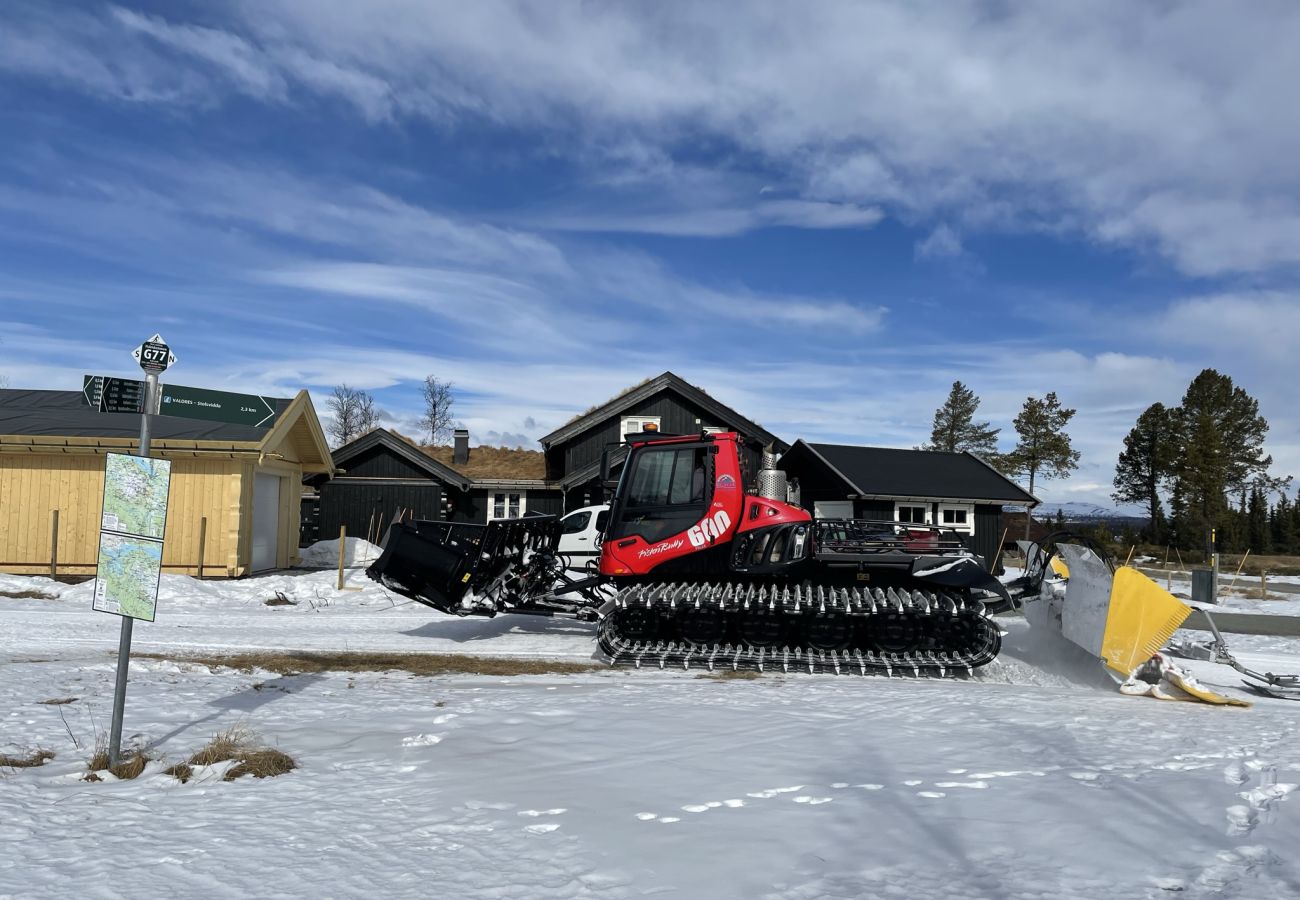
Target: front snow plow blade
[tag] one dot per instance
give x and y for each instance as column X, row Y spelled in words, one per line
column 1122, row 619
column 440, row 563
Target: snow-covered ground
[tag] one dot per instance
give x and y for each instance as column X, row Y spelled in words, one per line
column 1030, row 781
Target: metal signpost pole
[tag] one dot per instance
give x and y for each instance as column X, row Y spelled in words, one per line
column 124, row 642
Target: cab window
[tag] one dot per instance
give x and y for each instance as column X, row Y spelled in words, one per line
column 668, row 478
column 667, row 491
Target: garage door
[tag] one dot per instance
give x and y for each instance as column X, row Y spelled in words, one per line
column 833, row 509
column 266, row 521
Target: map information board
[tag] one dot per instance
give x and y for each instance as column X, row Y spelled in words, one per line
column 135, row 495
column 126, row 582
column 131, row 532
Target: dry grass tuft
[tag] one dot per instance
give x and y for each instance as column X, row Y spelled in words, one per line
column 223, row 746
column 280, row 600
column 59, row 701
column 130, row 767
column 27, row 595
column 301, row 663
column 30, row 761
column 264, row 762
column 127, row 768
column 238, row 745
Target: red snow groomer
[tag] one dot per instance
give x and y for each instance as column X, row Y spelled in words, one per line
column 701, row 565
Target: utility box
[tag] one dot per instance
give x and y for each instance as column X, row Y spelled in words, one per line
column 1204, row 587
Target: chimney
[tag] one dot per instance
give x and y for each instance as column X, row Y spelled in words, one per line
column 460, row 447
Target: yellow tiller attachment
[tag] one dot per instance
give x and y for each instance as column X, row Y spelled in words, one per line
column 1121, row 619
column 1143, row 617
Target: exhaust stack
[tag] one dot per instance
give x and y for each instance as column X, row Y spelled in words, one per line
column 771, row 480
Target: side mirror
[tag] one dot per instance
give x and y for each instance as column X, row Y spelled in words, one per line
column 607, row 461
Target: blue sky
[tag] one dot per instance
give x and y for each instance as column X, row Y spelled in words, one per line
column 822, row 219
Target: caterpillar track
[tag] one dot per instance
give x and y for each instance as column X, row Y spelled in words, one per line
column 817, row 629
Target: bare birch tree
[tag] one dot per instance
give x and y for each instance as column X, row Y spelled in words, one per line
column 437, row 421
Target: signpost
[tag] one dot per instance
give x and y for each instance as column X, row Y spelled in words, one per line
column 154, row 356
column 108, row 394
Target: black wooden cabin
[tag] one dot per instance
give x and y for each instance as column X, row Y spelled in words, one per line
column 921, row 487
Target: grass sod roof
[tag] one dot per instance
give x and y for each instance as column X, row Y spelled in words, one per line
column 486, row 463
column 494, row 463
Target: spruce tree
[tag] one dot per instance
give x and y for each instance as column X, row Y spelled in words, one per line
column 1282, row 525
column 1258, row 536
column 1145, row 463
column 1221, row 436
column 1044, row 448
column 955, row 429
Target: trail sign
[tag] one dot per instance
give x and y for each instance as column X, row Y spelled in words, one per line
column 154, row 355
column 218, row 406
column 122, row 395
column 108, row 394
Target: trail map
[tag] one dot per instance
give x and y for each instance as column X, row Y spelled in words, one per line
column 127, row 578
column 131, row 535
column 135, row 495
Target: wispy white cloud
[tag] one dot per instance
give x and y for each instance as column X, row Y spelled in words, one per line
column 690, row 221
column 1149, row 126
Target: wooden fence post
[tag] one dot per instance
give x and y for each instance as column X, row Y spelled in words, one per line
column 1263, row 585
column 203, row 543
column 54, row 544
column 343, row 543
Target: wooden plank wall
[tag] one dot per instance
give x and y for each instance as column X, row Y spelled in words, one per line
column 32, row 486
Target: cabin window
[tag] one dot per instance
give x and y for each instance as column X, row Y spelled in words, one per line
column 960, row 516
column 636, row 424
column 506, row 504
column 912, row 513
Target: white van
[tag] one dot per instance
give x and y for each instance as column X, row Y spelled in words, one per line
column 580, row 537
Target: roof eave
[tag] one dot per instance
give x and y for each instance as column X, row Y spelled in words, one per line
column 649, row 389
column 1034, row 501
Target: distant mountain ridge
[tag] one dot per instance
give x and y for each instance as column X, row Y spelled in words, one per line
column 1083, row 511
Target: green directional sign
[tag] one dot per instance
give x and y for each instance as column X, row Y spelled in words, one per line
column 217, row 406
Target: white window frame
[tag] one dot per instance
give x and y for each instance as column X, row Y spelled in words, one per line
column 713, row 429
column 638, row 424
column 929, row 511
column 505, row 503
column 967, row 527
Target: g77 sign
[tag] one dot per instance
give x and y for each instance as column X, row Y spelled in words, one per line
column 154, row 355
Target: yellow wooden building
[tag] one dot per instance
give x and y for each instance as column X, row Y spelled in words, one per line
column 235, row 490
